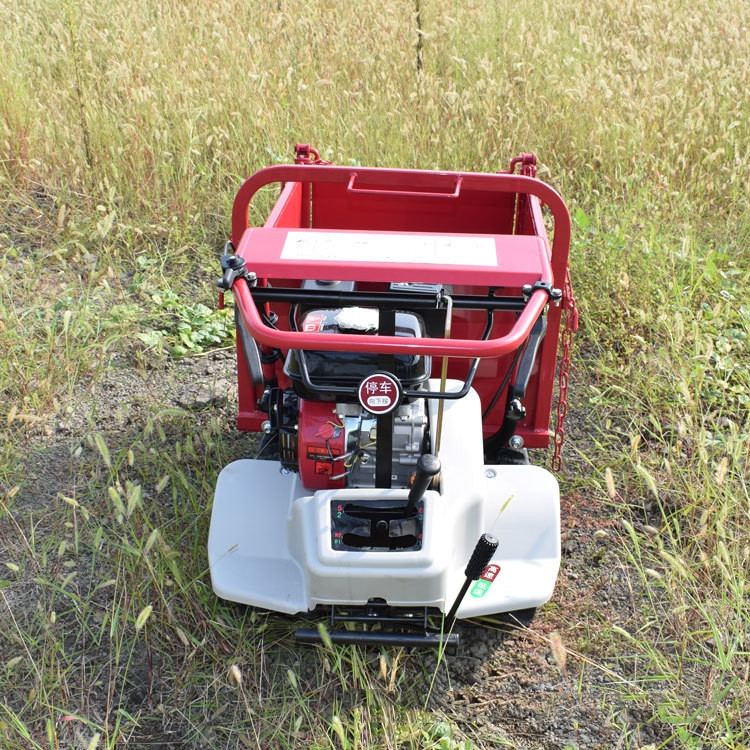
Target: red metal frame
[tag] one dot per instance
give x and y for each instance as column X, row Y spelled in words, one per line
column 503, row 206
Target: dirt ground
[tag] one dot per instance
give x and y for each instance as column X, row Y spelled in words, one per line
column 546, row 688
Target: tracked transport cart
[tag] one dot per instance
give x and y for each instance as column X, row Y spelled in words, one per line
column 397, row 349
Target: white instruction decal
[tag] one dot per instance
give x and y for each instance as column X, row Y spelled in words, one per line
column 433, row 249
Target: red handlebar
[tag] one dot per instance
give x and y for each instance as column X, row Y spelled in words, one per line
column 344, row 342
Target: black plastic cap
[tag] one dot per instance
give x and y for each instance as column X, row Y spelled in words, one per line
column 429, row 464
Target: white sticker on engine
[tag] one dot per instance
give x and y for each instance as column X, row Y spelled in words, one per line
column 434, row 249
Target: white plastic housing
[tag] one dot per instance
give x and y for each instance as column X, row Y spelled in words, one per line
column 270, row 540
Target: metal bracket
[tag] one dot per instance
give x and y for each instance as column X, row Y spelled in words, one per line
column 382, row 625
column 304, row 153
column 554, row 294
column 234, row 268
column 527, row 162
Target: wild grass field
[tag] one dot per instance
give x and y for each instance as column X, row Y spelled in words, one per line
column 125, row 130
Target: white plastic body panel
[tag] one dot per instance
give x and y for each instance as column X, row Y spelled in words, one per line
column 270, row 540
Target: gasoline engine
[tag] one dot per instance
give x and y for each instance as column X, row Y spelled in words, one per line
column 324, row 432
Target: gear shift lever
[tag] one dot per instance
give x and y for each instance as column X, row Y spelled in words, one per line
column 428, row 466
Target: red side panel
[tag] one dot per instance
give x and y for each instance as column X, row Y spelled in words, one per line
column 291, row 210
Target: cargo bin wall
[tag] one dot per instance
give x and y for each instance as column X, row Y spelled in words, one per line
column 390, row 209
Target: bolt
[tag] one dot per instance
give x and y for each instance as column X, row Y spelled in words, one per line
column 516, row 442
column 490, row 474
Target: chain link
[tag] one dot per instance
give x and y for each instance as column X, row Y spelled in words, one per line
column 570, row 311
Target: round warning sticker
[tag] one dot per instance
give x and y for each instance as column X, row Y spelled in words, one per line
column 380, row 393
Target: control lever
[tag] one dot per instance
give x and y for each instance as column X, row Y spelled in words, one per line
column 480, row 559
column 428, row 466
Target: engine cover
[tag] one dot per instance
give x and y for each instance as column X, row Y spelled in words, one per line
column 334, row 375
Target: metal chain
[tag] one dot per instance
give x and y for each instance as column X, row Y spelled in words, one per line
column 570, row 310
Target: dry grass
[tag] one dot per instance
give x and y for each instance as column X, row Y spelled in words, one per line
column 147, row 107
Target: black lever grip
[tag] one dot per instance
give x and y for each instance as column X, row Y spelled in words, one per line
column 427, row 467
column 481, row 556
column 480, row 559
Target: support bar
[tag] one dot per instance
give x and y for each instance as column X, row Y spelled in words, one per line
column 449, row 641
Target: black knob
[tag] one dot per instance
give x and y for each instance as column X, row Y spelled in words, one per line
column 481, row 556
column 233, row 261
